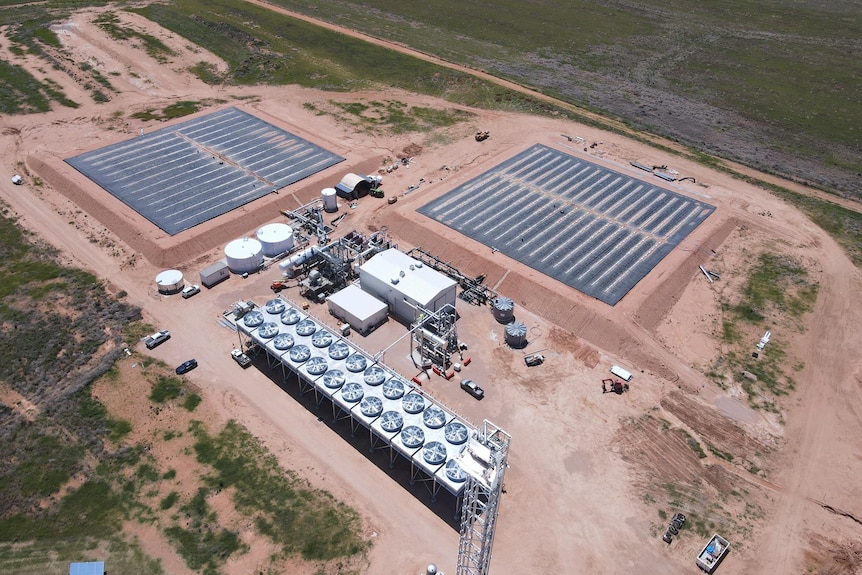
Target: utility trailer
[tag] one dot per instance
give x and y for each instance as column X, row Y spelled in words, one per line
column 712, row 554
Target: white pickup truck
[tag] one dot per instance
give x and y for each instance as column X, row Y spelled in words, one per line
column 157, row 338
column 242, row 359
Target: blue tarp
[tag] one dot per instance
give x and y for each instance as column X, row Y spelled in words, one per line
column 88, row 568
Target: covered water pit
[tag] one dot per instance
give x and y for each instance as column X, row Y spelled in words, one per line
column 170, row 282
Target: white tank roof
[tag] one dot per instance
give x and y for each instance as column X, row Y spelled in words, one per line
column 244, row 255
column 275, row 239
column 243, row 248
column 274, row 233
column 169, row 278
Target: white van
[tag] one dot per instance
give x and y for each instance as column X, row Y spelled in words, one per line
column 621, row 373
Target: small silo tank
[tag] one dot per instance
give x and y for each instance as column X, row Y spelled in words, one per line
column 330, row 200
column 516, row 334
column 170, row 281
column 244, row 255
column 275, row 239
column 504, row 310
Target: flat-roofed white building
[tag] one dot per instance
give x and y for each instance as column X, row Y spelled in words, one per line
column 360, row 309
column 405, row 283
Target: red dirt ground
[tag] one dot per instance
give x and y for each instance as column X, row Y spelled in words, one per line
column 587, row 470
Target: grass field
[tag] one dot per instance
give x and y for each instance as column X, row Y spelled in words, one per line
column 736, row 77
column 70, row 474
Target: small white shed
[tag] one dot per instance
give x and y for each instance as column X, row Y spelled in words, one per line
column 361, row 310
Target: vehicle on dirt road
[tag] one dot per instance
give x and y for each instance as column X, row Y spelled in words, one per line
column 186, row 366
column 534, row 359
column 242, row 359
column 157, row 338
column 470, row 387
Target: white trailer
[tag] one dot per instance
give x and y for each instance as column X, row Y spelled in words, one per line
column 214, row 274
column 712, row 554
column 621, row 373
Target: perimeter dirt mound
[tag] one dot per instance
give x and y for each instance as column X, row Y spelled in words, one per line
column 654, row 309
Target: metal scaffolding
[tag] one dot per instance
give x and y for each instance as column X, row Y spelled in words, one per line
column 485, row 460
column 435, row 336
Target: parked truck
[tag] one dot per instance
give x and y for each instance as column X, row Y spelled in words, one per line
column 712, row 554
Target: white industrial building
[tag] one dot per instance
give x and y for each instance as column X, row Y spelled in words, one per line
column 404, row 284
column 361, row 310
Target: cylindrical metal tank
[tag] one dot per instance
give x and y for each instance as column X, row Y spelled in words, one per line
column 275, row 239
column 516, row 334
column 244, row 255
column 170, row 281
column 504, row 310
column 330, row 200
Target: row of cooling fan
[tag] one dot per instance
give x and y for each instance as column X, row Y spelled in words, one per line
column 434, row 452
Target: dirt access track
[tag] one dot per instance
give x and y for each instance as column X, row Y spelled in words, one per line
column 590, row 474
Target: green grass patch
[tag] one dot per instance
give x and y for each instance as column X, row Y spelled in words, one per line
column 299, row 519
column 191, row 401
column 719, row 453
column 172, row 111
column 393, row 116
column 777, row 287
column 155, row 48
column 118, row 429
column 169, row 500
column 693, row 443
column 167, row 387
column 20, row 91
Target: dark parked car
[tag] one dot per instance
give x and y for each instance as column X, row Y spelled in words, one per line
column 470, row 387
column 187, row 366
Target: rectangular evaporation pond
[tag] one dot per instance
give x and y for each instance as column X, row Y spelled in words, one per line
column 590, row 227
column 180, row 176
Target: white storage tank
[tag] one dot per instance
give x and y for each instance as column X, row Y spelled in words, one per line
column 170, row 281
column 504, row 310
column 516, row 334
column 244, row 255
column 275, row 239
column 330, row 200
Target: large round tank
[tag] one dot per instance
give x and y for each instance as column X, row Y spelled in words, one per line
column 170, row 281
column 244, row 255
column 516, row 334
column 330, row 200
column 275, row 239
column 504, row 310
